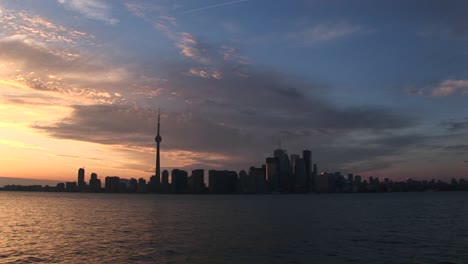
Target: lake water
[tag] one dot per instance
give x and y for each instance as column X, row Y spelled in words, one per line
column 328, row 228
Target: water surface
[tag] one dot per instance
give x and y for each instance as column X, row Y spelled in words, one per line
column 329, row 228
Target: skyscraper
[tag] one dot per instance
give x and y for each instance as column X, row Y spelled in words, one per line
column 307, row 156
column 81, row 181
column 272, row 173
column 158, row 140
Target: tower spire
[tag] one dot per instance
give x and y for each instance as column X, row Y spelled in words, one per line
column 158, row 140
column 159, row 111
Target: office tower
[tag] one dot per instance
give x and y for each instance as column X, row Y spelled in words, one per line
column 81, row 179
column 307, row 156
column 322, row 182
column 284, row 169
column 350, row 178
column 165, row 181
column 179, row 179
column 198, row 181
column 222, row 181
column 258, row 180
column 94, row 183
column 244, row 182
column 158, row 140
column 132, row 185
column 300, row 176
column 272, row 173
column 293, row 158
column 60, row 187
column 71, row 187
column 141, row 185
column 112, row 184
column 153, row 185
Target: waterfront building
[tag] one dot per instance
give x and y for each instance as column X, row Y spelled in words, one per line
column 164, row 188
column 307, row 157
column 222, row 181
column 300, row 176
column 272, row 173
column 81, row 179
column 112, row 184
column 94, row 183
column 322, row 183
column 71, row 187
column 141, row 185
column 258, row 176
column 179, row 180
column 198, row 181
column 284, row 169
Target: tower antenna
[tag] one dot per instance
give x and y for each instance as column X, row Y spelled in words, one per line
column 158, row 140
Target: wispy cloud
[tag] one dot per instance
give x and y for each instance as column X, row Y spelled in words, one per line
column 93, row 9
column 327, row 32
column 24, row 24
column 451, row 87
column 445, row 88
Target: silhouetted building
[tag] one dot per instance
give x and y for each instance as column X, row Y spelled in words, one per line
column 272, row 173
column 198, row 181
column 71, row 187
column 153, row 185
column 322, row 183
column 60, row 187
column 222, row 181
column 112, row 184
column 179, row 180
column 81, row 179
column 307, row 157
column 94, row 183
column 165, row 182
column 314, row 177
column 300, row 176
column 142, row 186
column 259, row 177
column 246, row 182
column 132, row 185
column 284, row 169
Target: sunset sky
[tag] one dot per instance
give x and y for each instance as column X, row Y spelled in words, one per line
column 377, row 88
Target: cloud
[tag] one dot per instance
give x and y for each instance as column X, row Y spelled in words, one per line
column 240, row 117
column 189, row 45
column 463, row 148
column 40, row 29
column 44, row 69
column 134, row 128
column 445, row 88
column 327, row 32
column 93, row 9
column 456, row 125
column 451, row 87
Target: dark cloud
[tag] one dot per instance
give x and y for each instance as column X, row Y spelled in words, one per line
column 135, row 127
column 456, row 125
column 461, row 148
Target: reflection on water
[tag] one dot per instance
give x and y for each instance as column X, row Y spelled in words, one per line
column 343, row 228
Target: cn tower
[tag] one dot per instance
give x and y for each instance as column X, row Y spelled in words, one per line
column 158, row 140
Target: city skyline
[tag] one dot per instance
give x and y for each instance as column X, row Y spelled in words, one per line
column 377, row 89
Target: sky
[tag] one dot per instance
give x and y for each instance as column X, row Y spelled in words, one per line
column 377, row 88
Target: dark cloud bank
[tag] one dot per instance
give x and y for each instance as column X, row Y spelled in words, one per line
column 242, row 116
